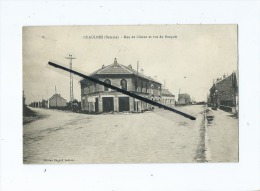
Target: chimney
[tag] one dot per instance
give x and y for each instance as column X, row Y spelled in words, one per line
column 142, row 71
column 115, row 61
column 103, row 66
column 155, row 77
column 130, row 66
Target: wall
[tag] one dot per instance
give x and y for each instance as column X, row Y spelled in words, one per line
column 168, row 100
column 99, row 88
column 90, row 89
column 226, row 92
column 60, row 102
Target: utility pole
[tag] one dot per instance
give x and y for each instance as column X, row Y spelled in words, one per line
column 137, row 76
column 56, row 96
column 71, row 80
column 179, row 94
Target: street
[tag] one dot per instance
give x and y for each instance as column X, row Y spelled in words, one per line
column 157, row 136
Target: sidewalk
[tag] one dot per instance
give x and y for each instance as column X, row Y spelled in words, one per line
column 222, row 137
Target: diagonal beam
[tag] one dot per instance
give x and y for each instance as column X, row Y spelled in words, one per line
column 122, row 91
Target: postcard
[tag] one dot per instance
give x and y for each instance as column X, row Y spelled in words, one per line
column 130, row 94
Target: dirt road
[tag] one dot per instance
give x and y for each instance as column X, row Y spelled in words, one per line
column 64, row 137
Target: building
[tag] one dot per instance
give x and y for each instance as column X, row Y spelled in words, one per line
column 96, row 98
column 56, row 101
column 224, row 93
column 45, row 103
column 24, row 99
column 168, row 98
column 184, row 99
column 35, row 104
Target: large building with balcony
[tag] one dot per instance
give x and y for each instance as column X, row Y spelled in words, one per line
column 224, row 93
column 96, row 98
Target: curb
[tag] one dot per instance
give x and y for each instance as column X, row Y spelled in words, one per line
column 207, row 148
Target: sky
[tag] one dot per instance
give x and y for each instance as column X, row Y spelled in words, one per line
column 186, row 58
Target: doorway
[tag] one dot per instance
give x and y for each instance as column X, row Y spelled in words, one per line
column 108, row 104
column 123, row 104
column 96, row 105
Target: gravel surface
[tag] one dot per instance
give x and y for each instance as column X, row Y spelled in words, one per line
column 152, row 137
column 222, row 137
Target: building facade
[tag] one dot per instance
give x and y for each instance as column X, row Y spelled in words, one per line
column 184, row 99
column 56, row 101
column 168, row 98
column 96, row 98
column 224, row 93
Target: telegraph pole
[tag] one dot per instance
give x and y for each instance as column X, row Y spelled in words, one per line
column 56, row 96
column 137, row 76
column 179, row 94
column 71, row 79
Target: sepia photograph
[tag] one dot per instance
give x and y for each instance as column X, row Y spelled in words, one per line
column 130, row 94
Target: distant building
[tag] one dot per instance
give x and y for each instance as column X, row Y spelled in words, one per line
column 168, row 98
column 184, row 99
column 42, row 104
column 97, row 98
column 45, row 103
column 35, row 104
column 56, row 101
column 224, row 93
column 193, row 102
column 24, row 99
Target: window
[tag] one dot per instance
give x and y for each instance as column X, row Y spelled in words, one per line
column 86, row 90
column 159, row 90
column 139, row 84
column 123, row 84
column 92, row 89
column 144, row 86
column 83, row 102
column 152, row 88
column 107, row 81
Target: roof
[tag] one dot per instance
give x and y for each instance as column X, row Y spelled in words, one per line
column 116, row 68
column 186, row 96
column 58, row 96
column 166, row 92
column 225, row 83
